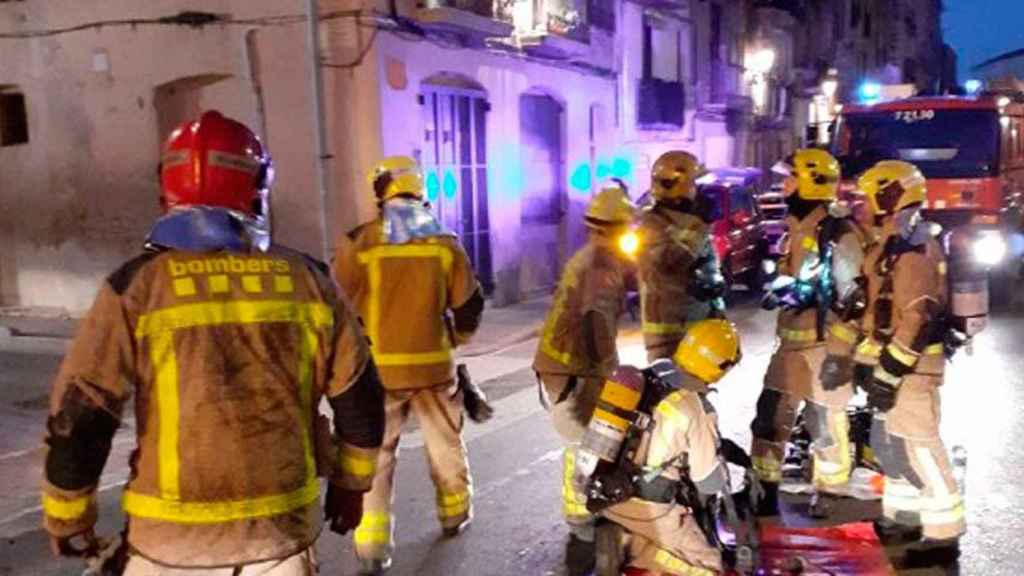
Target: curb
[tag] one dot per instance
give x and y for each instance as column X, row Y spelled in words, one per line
column 5, row 333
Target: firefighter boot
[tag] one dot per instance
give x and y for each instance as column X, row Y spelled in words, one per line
column 768, row 504
column 824, row 504
column 453, row 531
column 929, row 552
column 580, row 556
column 374, row 566
column 890, row 532
column 609, row 553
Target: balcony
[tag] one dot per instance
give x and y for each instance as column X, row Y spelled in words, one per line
column 660, row 104
column 478, row 17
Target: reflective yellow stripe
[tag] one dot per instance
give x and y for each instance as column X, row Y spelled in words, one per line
column 371, row 259
column 662, row 328
column 159, row 326
column 827, row 473
column 161, row 350
column 942, row 268
column 573, row 504
column 612, row 419
column 810, row 243
column 798, row 335
column 234, row 312
column 307, row 352
column 451, row 505
column 144, row 506
column 66, row 509
column 843, row 333
column 677, row 566
column 767, row 468
column 415, row 359
column 869, row 348
column 934, row 350
column 902, row 355
column 357, row 464
column 673, row 423
column 374, row 528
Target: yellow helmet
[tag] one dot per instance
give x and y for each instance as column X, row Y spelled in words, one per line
column 675, row 175
column 395, row 176
column 710, row 348
column 892, row 185
column 610, row 208
column 816, row 173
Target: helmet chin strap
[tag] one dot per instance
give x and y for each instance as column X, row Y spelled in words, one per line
column 799, row 206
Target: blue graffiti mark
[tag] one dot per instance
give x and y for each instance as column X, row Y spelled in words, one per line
column 433, row 185
column 580, row 179
column 450, row 186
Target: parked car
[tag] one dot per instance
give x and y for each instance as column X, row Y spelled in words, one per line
column 737, row 230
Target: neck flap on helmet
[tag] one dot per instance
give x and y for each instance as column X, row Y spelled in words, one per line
column 208, row 229
column 408, row 219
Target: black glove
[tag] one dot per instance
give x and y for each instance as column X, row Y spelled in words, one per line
column 835, row 372
column 733, row 454
column 473, row 398
column 343, row 508
column 883, row 390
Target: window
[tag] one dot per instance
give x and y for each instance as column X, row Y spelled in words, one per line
column 661, row 50
column 13, row 119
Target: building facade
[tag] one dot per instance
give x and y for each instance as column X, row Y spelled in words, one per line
column 517, row 109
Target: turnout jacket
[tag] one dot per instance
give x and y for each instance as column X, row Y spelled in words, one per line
column 797, row 329
column 226, row 355
column 418, row 300
column 907, row 294
column 578, row 338
column 673, row 243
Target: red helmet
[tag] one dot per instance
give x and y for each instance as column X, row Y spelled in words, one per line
column 215, row 161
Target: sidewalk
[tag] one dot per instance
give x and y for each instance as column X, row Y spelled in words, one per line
column 501, row 327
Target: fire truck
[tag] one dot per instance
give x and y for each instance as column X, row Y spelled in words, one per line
column 971, row 150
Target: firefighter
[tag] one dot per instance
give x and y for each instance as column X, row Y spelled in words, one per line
column 416, row 292
column 678, row 269
column 226, row 344
column 901, row 364
column 679, row 447
column 823, row 249
column 577, row 349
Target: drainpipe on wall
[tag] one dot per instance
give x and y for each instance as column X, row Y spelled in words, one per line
column 319, row 123
column 252, row 61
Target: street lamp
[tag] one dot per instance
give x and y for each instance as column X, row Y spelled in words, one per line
column 760, row 63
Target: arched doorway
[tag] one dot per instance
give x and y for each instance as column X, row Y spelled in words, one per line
column 544, row 196
column 455, row 163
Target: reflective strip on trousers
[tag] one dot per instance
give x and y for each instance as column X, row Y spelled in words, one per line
column 159, row 327
column 669, row 562
column 72, row 509
column 453, row 505
column 574, row 505
column 829, row 473
column 374, row 530
column 767, row 468
column 371, row 258
column 798, row 335
column 902, row 355
column 843, row 333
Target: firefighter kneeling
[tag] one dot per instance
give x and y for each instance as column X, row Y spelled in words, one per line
column 650, row 457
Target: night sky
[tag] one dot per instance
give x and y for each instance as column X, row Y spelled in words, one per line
column 981, row 29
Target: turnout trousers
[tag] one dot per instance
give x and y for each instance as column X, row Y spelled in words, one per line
column 571, row 401
column 664, row 539
column 439, row 413
column 920, row 490
column 301, row 564
column 793, row 378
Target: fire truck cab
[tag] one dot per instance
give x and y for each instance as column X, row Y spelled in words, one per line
column 971, row 150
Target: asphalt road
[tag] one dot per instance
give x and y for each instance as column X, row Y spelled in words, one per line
column 515, row 462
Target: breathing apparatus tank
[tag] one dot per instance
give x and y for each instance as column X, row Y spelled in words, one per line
column 615, row 413
column 968, row 282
